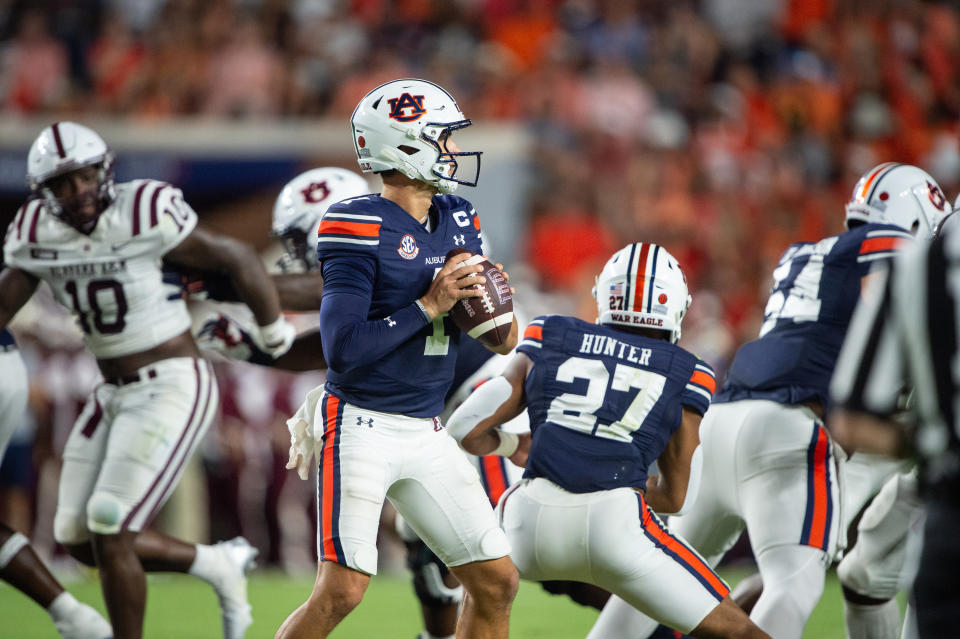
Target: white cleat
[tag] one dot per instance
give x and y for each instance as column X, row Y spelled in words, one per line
column 239, row 559
column 87, row 623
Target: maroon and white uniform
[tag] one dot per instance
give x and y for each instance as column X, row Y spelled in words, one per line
column 129, row 445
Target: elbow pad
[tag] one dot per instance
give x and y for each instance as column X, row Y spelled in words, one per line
column 481, row 404
column 693, row 484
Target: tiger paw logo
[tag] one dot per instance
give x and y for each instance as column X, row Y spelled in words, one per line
column 936, row 196
column 406, row 108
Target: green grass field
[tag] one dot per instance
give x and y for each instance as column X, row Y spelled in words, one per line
column 181, row 607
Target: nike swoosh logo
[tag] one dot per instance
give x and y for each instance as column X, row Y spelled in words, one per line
column 117, row 247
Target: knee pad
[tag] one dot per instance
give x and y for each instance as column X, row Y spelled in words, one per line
column 70, row 528
column 11, row 547
column 104, row 514
column 428, row 573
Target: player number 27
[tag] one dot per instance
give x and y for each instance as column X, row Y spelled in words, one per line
column 579, row 412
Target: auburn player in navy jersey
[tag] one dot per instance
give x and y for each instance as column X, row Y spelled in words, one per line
column 605, row 401
column 391, row 353
column 769, row 464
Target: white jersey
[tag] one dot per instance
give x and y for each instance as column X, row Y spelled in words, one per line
column 111, row 279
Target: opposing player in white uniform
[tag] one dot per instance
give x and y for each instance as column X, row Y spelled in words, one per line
column 98, row 245
column 19, row 564
column 605, row 401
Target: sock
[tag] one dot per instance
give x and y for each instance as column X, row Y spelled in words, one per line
column 872, row 622
column 207, row 564
column 11, row 547
column 63, row 607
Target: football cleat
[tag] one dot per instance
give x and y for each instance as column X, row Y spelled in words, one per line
column 238, row 560
column 86, row 624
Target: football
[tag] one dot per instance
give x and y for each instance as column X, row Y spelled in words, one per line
column 487, row 318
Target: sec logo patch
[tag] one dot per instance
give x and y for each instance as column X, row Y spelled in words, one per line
column 408, row 247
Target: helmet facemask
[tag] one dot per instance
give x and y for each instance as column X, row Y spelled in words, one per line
column 298, row 256
column 68, row 209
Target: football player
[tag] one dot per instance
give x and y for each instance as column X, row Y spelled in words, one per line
column 19, row 564
column 605, row 401
column 391, row 354
column 769, row 464
column 296, row 216
column 98, row 245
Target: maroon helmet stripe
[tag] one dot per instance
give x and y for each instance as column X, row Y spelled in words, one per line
column 32, row 236
column 57, row 140
column 136, row 208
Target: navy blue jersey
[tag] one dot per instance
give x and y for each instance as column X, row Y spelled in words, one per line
column 383, row 353
column 603, row 402
column 816, row 287
column 471, row 355
column 6, row 340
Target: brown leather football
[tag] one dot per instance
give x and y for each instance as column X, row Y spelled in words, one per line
column 487, row 318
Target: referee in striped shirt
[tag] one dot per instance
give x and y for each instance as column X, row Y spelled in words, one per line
column 903, row 341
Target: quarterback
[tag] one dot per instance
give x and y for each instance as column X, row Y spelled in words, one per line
column 391, row 353
column 98, row 245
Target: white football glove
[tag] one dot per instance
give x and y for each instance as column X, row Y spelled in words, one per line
column 225, row 335
column 302, row 447
column 275, row 339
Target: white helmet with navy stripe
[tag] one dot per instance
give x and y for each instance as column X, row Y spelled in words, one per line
column 64, row 147
column 404, row 125
column 899, row 194
column 301, row 204
column 643, row 286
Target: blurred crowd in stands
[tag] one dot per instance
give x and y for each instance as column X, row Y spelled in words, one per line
column 722, row 129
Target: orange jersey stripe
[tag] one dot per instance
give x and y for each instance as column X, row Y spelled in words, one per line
column 818, row 526
column 342, row 227
column 873, row 244
column 685, row 554
column 705, row 380
column 496, row 481
column 535, row 331
column 330, row 427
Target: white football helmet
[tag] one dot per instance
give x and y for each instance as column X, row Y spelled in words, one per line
column 900, row 194
column 301, row 204
column 404, row 125
column 64, row 147
column 643, row 286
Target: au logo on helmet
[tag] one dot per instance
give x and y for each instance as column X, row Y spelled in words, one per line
column 406, row 101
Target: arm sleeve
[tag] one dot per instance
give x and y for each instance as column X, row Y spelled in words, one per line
column 699, row 388
column 350, row 339
column 532, row 341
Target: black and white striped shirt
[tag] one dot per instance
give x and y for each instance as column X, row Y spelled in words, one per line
column 904, row 334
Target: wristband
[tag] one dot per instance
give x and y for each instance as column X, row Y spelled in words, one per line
column 275, row 333
column 423, row 309
column 509, row 442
